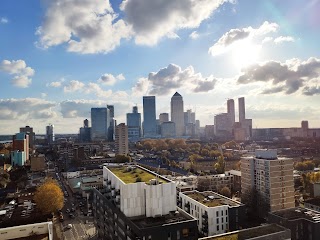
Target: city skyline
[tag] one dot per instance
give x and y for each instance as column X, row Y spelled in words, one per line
column 56, row 71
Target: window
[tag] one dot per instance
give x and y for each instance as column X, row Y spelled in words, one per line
column 169, row 235
column 217, row 220
column 178, row 234
column 217, row 213
column 218, row 228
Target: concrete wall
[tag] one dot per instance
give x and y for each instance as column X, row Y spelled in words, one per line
column 27, row 230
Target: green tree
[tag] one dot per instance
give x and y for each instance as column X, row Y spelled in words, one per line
column 256, row 205
column 220, row 165
column 49, row 197
column 122, row 158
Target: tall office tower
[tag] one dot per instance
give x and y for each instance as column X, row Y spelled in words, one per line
column 86, row 123
column 121, row 139
column 32, row 136
column 100, row 123
column 271, row 176
column 163, row 117
column 20, row 149
column 231, row 110
column 85, row 132
column 134, row 125
column 112, row 123
column 50, row 134
column 177, row 114
column 136, row 203
column 149, row 116
column 242, row 110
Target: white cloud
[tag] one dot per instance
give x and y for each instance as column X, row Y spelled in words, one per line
column 86, row 27
column 141, row 87
column 172, row 78
column 97, row 90
column 285, row 77
column 109, row 79
column 43, row 95
column 54, row 84
column 28, row 108
column 21, row 73
column 73, row 86
column 152, row 20
column 194, row 35
column 228, row 39
column 4, row 20
column 282, row 39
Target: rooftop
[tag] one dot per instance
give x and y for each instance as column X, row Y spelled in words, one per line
column 297, row 213
column 313, row 201
column 249, row 233
column 211, row 199
column 133, row 174
column 171, row 218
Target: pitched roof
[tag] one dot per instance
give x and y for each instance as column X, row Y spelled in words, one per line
column 176, row 94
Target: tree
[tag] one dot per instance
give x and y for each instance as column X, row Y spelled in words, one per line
column 220, row 165
column 49, row 197
column 225, row 191
column 122, row 158
column 256, row 205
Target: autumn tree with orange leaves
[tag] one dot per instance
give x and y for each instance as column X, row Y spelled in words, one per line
column 49, row 197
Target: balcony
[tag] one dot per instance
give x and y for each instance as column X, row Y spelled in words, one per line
column 109, row 182
column 205, row 216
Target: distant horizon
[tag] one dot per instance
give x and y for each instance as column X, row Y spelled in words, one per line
column 59, row 59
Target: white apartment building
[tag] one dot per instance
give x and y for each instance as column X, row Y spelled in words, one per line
column 216, row 214
column 151, row 196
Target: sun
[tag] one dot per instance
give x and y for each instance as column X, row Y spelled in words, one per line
column 245, row 53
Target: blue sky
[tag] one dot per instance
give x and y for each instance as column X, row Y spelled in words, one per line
column 59, row 58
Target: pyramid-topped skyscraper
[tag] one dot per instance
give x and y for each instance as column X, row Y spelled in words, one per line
column 177, row 113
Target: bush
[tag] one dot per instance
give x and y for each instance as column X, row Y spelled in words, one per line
column 138, row 179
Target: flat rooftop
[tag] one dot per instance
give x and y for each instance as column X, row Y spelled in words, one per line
column 171, row 218
column 133, row 174
column 297, row 213
column 249, row 233
column 313, row 201
column 211, row 199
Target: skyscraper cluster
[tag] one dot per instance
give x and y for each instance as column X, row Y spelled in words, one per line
column 225, row 124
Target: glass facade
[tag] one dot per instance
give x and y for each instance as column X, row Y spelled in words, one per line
column 100, row 123
column 149, row 116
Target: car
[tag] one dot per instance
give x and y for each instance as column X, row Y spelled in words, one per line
column 61, row 218
column 71, row 215
column 68, row 210
column 72, row 210
column 69, row 226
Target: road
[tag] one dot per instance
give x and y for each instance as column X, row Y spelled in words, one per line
column 82, row 226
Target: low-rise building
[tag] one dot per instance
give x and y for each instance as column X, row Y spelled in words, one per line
column 216, row 214
column 265, row 232
column 215, row 182
column 313, row 204
column 304, row 223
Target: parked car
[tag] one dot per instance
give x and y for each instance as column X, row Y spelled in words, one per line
column 68, row 210
column 71, row 215
column 69, row 226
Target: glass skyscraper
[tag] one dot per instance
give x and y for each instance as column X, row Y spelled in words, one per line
column 100, row 123
column 134, row 124
column 149, row 116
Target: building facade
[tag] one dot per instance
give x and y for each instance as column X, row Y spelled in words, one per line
column 134, row 125
column 168, row 130
column 149, row 116
column 121, row 139
column 177, row 113
column 50, row 134
column 216, row 214
column 271, row 176
column 130, row 207
column 100, row 123
column 163, row 117
column 112, row 123
column 32, row 136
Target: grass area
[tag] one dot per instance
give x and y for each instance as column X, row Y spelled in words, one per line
column 134, row 175
column 201, row 198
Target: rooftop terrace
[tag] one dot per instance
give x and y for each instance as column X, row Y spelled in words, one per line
column 133, row 174
column 211, row 199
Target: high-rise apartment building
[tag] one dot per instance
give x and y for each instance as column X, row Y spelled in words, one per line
column 177, row 114
column 100, row 123
column 136, row 203
column 121, row 139
column 20, row 149
column 50, row 134
column 32, row 136
column 149, row 116
column 134, row 124
column 271, row 176
column 231, row 110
